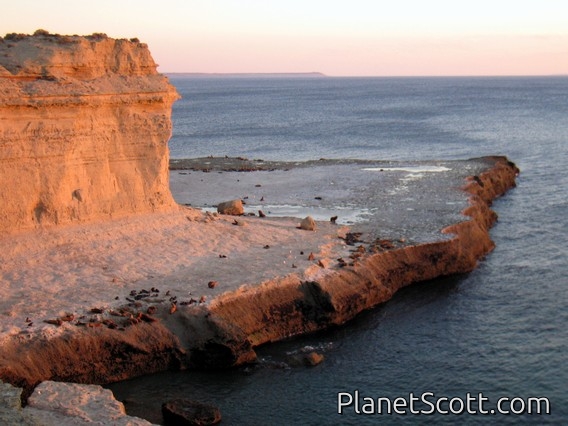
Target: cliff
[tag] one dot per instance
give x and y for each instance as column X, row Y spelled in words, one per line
column 84, row 125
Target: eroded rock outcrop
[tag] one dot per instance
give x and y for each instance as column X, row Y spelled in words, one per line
column 84, row 125
column 290, row 306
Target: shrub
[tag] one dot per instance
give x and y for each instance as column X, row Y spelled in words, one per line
column 15, row 36
column 98, row 36
column 41, row 32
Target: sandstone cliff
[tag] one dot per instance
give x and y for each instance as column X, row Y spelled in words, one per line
column 84, row 125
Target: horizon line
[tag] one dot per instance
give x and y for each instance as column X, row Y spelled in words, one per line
column 318, row 74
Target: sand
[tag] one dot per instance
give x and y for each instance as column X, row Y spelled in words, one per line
column 76, row 268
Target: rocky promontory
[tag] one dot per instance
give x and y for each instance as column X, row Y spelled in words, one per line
column 84, row 126
column 103, row 276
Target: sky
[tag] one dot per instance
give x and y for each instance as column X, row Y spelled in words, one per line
column 337, row 38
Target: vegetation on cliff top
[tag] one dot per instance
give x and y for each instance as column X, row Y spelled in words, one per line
column 58, row 37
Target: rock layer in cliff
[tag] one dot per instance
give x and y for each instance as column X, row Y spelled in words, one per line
column 84, row 126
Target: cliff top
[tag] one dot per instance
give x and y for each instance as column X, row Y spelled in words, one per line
column 52, row 56
column 44, row 67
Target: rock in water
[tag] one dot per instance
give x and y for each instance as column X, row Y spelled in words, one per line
column 191, row 413
column 313, row 358
column 310, row 359
column 234, row 207
column 308, row 224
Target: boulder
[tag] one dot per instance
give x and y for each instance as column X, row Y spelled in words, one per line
column 233, row 207
column 192, row 413
column 308, row 224
column 313, row 358
column 308, row 359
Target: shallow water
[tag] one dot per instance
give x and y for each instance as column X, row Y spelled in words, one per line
column 393, row 203
column 500, row 330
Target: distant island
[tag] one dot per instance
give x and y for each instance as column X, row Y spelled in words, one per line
column 251, row 74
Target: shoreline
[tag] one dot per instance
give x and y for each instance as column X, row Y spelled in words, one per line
column 270, row 299
column 335, row 298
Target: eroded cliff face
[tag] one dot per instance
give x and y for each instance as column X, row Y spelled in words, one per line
column 84, row 126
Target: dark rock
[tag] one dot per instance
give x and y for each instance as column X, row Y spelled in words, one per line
column 147, row 318
column 479, row 181
column 352, row 237
column 234, row 207
column 310, row 359
column 187, row 412
column 313, row 358
column 77, row 195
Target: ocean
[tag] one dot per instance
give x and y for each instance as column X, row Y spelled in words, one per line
column 501, row 330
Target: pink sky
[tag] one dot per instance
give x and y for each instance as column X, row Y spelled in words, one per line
column 483, row 55
column 359, row 37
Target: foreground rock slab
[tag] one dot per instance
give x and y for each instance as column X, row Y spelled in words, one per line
column 64, row 404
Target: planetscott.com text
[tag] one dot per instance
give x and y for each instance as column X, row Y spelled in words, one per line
column 429, row 403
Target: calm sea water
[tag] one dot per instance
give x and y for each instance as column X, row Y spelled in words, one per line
column 501, row 330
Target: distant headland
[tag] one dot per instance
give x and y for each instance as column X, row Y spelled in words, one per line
column 251, row 74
